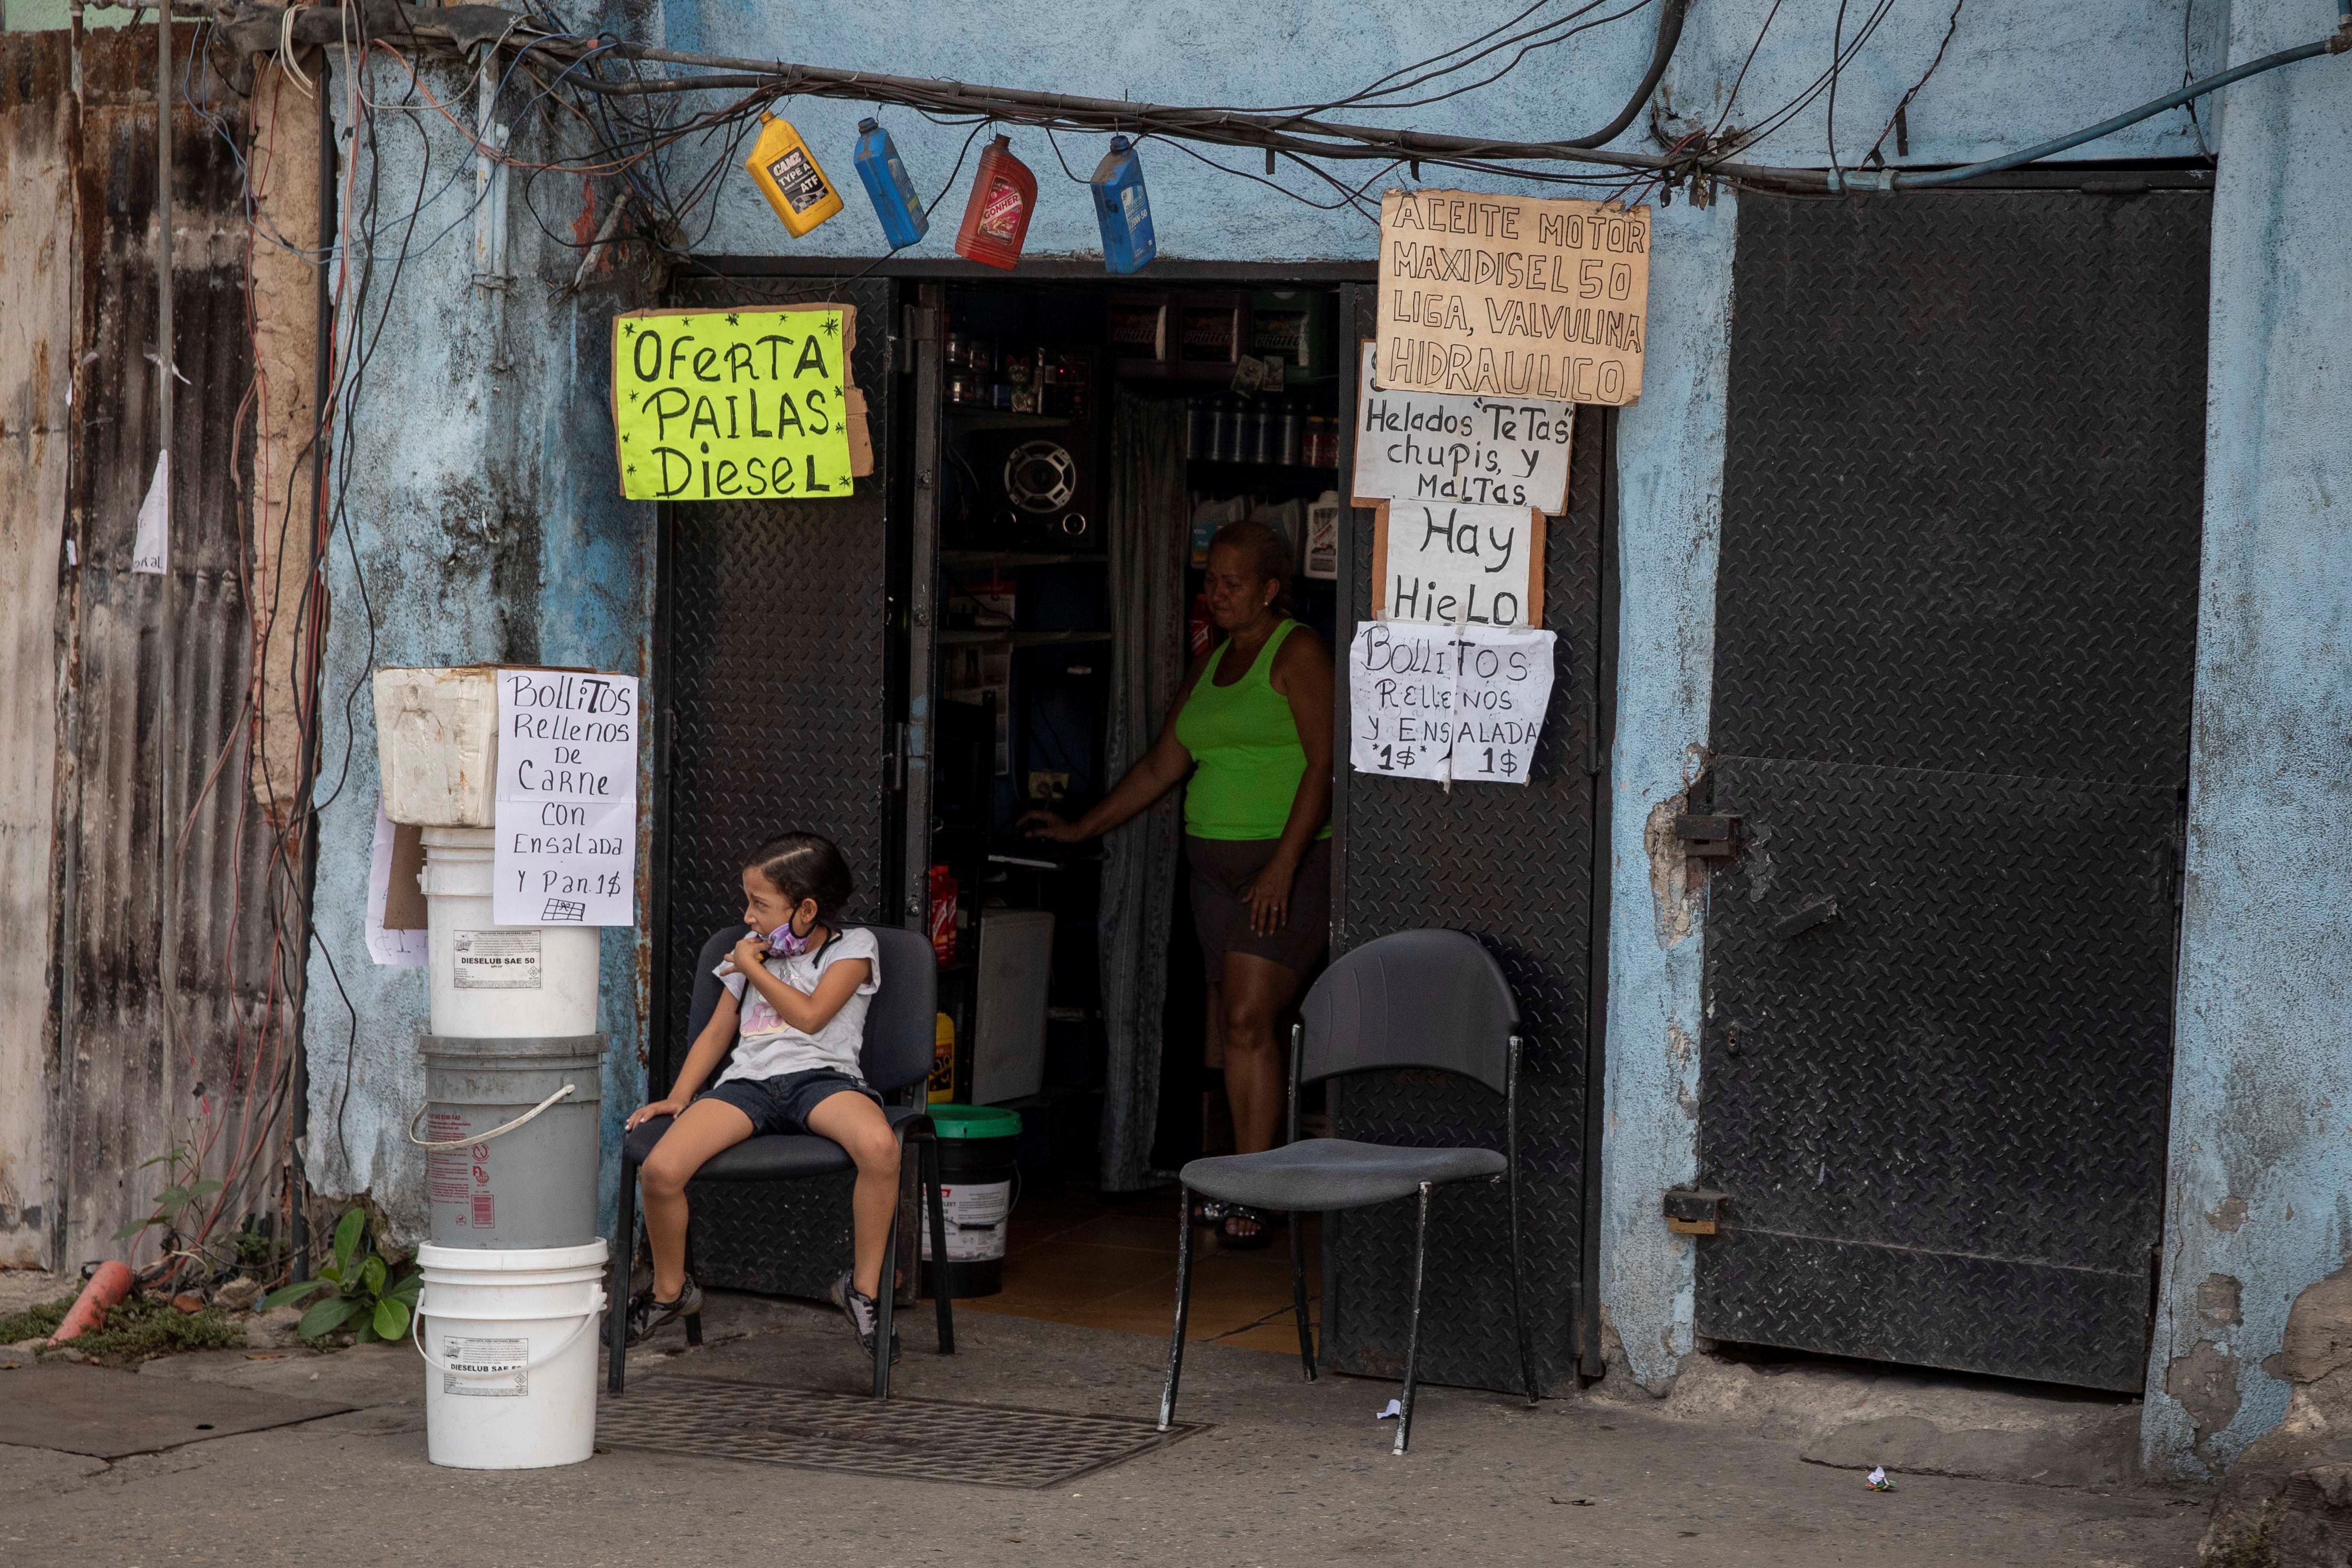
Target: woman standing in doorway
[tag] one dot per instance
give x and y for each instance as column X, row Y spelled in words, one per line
column 1252, row 727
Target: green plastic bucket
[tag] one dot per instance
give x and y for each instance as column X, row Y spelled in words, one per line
column 979, row 1184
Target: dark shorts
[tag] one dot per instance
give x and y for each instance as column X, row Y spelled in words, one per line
column 783, row 1104
column 1222, row 871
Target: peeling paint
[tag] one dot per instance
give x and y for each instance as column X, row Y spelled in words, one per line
column 2205, row 1384
column 2220, row 1302
column 2227, row 1214
column 1672, row 902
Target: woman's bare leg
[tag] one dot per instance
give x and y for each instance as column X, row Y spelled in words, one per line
column 701, row 1130
column 857, row 1124
column 1255, row 993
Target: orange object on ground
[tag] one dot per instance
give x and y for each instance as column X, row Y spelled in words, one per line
column 107, row 1288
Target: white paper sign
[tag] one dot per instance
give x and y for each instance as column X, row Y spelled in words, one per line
column 1481, row 451
column 151, row 546
column 1447, row 702
column 405, row 949
column 567, row 802
column 1460, row 565
column 1498, row 707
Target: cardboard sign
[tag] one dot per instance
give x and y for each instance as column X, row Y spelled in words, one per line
column 1458, row 566
column 736, row 404
column 1482, row 451
column 1445, row 703
column 1513, row 296
column 567, row 801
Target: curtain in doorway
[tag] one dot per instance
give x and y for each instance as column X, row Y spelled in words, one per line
column 1149, row 532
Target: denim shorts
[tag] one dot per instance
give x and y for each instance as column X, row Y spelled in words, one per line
column 783, row 1104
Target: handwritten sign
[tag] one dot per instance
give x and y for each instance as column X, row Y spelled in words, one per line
column 1447, row 702
column 1484, row 451
column 1513, row 296
column 733, row 405
column 1458, row 566
column 566, row 817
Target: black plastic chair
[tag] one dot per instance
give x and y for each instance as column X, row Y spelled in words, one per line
column 1416, row 999
column 898, row 1049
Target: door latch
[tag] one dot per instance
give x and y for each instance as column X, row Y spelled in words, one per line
column 1693, row 1210
column 1712, row 837
column 1812, row 913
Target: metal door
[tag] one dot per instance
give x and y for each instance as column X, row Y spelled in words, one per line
column 1954, row 643
column 778, row 695
column 1513, row 866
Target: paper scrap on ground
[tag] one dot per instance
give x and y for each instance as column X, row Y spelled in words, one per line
column 1447, row 702
column 150, row 548
column 1395, row 1412
column 567, row 802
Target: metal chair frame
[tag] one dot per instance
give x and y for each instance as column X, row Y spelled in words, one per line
column 1419, row 1253
column 917, row 1130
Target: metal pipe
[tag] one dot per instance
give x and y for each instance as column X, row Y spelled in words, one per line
column 166, row 370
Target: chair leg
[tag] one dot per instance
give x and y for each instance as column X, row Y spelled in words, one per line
column 1518, row 1306
column 1412, row 1334
column 927, row 1153
column 1299, row 1293
column 694, row 1321
column 624, row 1255
column 1183, row 1302
column 886, row 1298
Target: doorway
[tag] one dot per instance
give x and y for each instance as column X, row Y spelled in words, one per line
column 1954, row 643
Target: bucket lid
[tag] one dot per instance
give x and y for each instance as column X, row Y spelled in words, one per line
column 511, row 1259
column 975, row 1120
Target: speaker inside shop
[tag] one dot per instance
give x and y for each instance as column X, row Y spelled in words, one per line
column 1022, row 490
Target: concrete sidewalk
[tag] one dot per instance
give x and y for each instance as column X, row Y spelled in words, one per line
column 1289, row 1473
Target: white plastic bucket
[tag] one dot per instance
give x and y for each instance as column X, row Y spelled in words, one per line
column 510, row 1346
column 494, row 982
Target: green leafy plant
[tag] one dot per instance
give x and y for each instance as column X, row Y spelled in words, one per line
column 186, row 1191
column 361, row 1292
column 136, row 1329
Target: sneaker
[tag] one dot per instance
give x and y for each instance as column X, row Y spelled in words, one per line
column 648, row 1317
column 862, row 1312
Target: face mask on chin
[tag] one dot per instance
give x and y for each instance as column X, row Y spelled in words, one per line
column 785, row 942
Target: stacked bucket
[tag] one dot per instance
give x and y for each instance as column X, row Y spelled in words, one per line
column 508, row 1129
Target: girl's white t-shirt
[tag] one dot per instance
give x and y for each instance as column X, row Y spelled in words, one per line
column 767, row 1046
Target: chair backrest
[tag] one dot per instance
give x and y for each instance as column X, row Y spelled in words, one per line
column 899, row 1020
column 1414, row 999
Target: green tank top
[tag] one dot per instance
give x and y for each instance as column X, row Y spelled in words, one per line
column 1246, row 747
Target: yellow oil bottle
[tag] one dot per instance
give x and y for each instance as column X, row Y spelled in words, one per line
column 787, row 174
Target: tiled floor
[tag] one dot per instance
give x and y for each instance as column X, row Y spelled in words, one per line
column 1074, row 1255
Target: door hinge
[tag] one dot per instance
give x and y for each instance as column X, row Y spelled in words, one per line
column 1693, row 1210
column 920, row 325
column 899, row 756
column 1708, row 837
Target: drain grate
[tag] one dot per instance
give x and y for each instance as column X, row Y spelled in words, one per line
column 918, row 1439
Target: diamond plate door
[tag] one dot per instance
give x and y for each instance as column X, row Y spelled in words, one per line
column 774, row 665
column 1511, row 864
column 1954, row 645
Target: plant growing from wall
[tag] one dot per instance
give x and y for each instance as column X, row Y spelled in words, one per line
column 361, row 1295
column 185, row 1191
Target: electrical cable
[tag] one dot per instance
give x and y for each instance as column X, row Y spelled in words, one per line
column 1670, row 33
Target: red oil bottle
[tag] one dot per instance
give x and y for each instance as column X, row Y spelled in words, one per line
column 996, row 219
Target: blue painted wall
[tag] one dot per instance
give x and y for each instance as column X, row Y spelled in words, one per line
column 2259, row 1075
column 482, row 526
column 2261, row 1106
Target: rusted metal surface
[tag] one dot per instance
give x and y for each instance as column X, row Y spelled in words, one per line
column 81, row 172
column 36, row 365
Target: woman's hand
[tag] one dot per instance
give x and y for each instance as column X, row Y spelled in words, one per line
column 746, row 954
column 669, row 1107
column 1046, row 825
column 1269, row 897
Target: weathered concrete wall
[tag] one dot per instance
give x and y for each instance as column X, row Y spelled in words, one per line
column 486, row 528
column 37, row 280
column 2261, row 1107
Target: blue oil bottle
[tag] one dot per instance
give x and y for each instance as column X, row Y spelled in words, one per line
column 1123, row 209
column 903, row 219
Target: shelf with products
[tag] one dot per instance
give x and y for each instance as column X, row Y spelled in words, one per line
column 1018, row 639
column 972, row 416
column 1013, row 558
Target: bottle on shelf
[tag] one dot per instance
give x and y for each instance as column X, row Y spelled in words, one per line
column 1294, row 432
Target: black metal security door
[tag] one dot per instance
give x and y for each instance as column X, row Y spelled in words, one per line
column 1513, row 866
column 775, row 700
column 1954, row 643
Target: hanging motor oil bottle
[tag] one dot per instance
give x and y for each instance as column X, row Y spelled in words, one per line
column 904, row 221
column 1123, row 209
column 786, row 172
column 996, row 219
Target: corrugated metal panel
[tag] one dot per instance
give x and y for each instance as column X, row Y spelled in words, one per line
column 36, row 367
column 126, row 1095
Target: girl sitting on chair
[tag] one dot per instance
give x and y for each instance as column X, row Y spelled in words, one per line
column 794, row 1018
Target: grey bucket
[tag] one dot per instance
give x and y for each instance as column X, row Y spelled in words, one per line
column 511, row 1159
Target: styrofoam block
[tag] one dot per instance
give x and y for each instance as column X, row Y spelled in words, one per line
column 438, row 745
